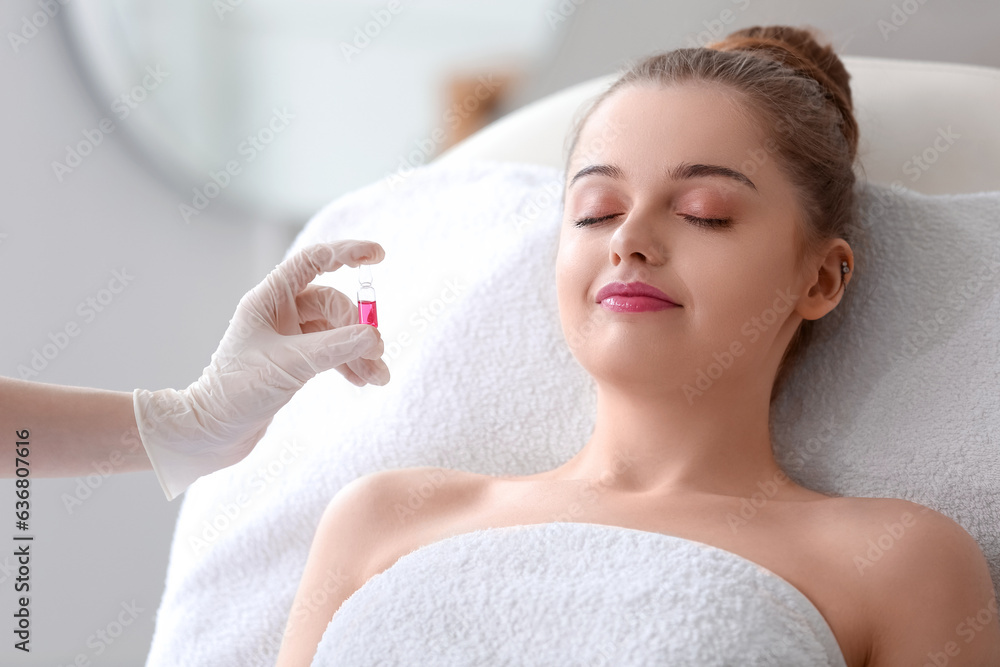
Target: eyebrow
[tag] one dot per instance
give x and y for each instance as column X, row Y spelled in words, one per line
column 682, row 171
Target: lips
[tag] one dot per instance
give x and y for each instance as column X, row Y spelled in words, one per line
column 633, row 289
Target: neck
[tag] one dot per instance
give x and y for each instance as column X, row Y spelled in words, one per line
column 646, row 445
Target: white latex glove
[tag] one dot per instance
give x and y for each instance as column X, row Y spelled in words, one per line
column 284, row 332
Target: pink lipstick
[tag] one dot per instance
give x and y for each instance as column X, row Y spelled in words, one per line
column 634, row 297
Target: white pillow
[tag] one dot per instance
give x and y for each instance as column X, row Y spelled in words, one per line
column 485, row 382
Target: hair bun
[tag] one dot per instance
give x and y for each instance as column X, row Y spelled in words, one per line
column 799, row 49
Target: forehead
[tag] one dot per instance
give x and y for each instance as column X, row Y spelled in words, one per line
column 650, row 124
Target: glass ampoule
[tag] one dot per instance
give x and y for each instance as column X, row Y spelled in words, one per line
column 366, row 297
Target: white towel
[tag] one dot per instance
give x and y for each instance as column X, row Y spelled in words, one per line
column 483, row 381
column 577, row 594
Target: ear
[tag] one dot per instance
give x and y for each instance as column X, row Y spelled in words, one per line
column 825, row 280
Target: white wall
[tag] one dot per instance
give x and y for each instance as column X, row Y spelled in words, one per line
column 62, row 242
column 602, row 34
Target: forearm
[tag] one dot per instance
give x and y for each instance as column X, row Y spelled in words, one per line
column 72, row 430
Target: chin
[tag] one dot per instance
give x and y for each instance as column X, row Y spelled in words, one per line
column 616, row 365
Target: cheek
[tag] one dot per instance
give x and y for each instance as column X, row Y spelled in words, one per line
column 566, row 282
column 741, row 285
column 574, row 268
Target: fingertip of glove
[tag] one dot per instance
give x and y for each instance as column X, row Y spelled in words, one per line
column 367, row 333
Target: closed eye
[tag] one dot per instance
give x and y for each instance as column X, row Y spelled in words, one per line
column 702, row 222
column 708, row 222
column 583, row 222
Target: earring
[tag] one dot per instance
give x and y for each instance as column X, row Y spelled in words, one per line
column 843, row 267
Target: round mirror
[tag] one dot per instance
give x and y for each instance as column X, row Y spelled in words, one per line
column 278, row 107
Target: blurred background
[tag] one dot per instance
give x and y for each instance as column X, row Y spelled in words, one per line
column 183, row 144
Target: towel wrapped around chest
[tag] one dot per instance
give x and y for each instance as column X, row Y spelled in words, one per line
column 577, row 594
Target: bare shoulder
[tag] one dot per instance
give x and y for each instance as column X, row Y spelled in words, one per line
column 890, row 522
column 403, row 508
column 404, row 493
column 365, row 523
column 926, row 582
column 881, row 535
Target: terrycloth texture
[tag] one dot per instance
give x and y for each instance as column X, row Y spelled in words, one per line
column 889, row 402
column 577, row 594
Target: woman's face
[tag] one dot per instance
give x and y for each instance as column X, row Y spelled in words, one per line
column 734, row 283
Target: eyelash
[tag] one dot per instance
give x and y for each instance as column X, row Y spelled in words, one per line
column 701, row 222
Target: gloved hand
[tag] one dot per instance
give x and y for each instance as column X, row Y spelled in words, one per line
column 284, row 332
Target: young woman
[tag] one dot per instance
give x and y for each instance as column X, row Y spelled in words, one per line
column 709, row 193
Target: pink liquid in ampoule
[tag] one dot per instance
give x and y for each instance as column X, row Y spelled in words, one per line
column 366, row 297
column 367, row 313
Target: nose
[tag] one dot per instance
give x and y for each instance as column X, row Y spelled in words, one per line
column 638, row 237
